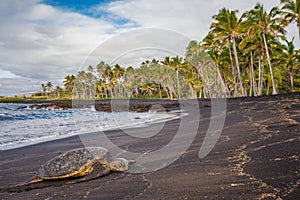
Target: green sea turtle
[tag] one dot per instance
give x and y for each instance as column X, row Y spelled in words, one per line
column 73, row 166
column 79, row 163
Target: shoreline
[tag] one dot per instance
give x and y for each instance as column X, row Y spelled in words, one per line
column 255, row 157
column 169, row 116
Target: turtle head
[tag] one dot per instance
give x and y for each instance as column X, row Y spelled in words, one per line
column 118, row 164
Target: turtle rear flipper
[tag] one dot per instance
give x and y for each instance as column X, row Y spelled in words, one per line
column 30, row 185
column 25, row 186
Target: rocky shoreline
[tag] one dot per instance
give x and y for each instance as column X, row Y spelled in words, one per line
column 133, row 105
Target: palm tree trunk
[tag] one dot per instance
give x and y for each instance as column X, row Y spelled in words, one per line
column 159, row 90
column 298, row 29
column 178, row 89
column 238, row 67
column 252, row 74
column 261, row 76
column 268, row 87
column 251, row 82
column 270, row 65
column 200, row 92
column 235, row 93
column 291, row 72
column 205, row 92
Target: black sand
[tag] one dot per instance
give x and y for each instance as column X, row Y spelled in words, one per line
column 256, row 157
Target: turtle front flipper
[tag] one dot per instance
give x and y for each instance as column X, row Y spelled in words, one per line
column 96, row 170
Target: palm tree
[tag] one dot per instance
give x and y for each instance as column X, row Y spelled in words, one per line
column 149, row 89
column 101, row 88
column 269, row 25
column 291, row 11
column 290, row 59
column 167, row 62
column 108, row 73
column 90, row 69
column 190, row 74
column 174, row 63
column 100, row 69
column 227, row 27
column 69, row 84
column 251, row 45
column 217, row 51
column 118, row 71
column 81, row 85
column 192, row 51
column 49, row 86
column 44, row 88
column 58, row 91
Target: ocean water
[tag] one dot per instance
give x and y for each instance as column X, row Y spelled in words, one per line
column 22, row 126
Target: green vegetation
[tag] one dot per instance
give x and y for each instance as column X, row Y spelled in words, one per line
column 4, row 99
column 251, row 54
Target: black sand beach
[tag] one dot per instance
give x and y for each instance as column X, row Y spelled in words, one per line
column 256, row 157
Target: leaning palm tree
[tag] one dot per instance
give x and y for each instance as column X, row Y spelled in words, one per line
column 226, row 27
column 174, row 63
column 269, row 25
column 291, row 11
column 252, row 45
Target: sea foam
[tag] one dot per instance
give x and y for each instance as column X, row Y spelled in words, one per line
column 22, row 126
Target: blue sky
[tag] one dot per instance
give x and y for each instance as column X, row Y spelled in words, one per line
column 81, row 6
column 45, row 40
column 87, row 7
column 77, row 4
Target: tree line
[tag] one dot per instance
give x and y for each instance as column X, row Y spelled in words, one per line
column 246, row 55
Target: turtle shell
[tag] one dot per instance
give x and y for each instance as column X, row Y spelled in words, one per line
column 73, row 162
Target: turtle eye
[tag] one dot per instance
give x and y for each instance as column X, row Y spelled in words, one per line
column 122, row 165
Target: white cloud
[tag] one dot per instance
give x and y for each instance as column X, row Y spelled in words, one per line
column 133, row 47
column 7, row 74
column 19, row 86
column 192, row 17
column 43, row 43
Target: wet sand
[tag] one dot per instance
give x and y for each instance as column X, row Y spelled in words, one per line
column 256, row 157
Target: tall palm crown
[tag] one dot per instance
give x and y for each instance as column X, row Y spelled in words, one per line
column 226, row 24
column 291, row 11
column 268, row 23
column 118, row 71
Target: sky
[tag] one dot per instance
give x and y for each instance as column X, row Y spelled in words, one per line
column 45, row 40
